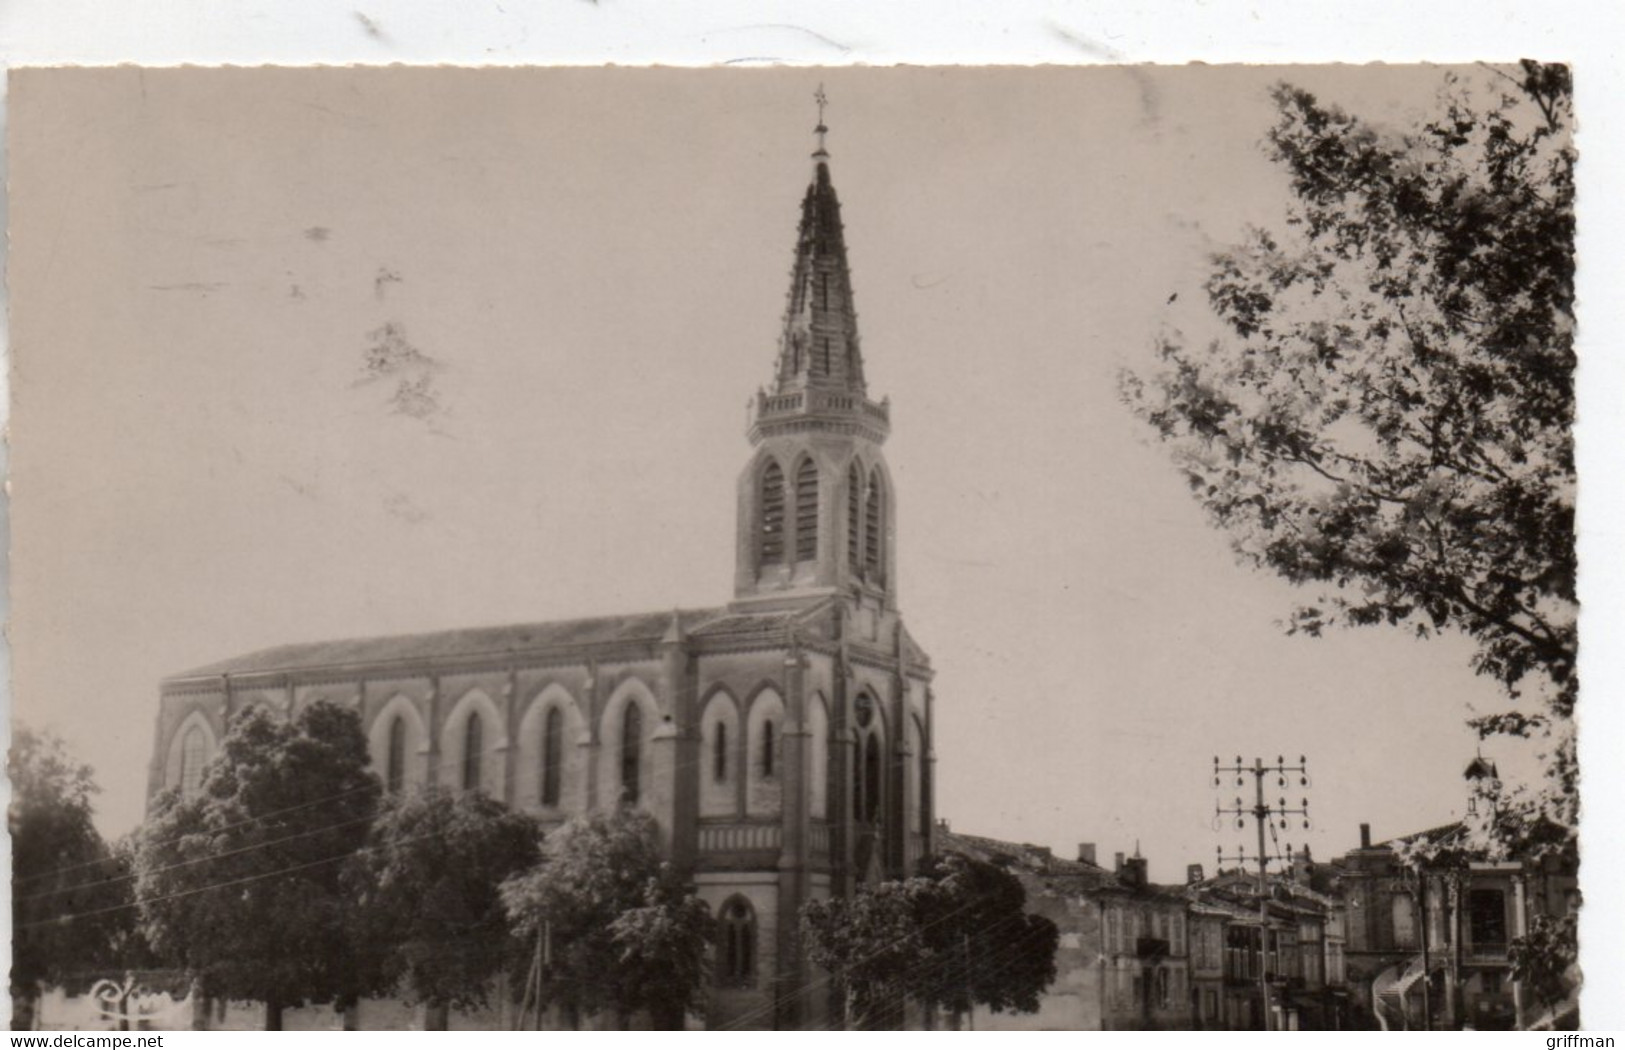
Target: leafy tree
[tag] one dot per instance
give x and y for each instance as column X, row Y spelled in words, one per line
column 990, row 950
column 1545, row 960
column 1390, row 417
column 871, row 944
column 953, row 937
column 66, row 892
column 240, row 884
column 622, row 931
column 426, row 887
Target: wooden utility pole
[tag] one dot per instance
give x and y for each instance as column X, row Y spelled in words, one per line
column 1263, row 815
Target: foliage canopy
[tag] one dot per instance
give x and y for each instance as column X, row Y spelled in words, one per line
column 955, row 936
column 428, row 914
column 1389, row 418
column 623, row 932
column 67, row 888
column 240, row 884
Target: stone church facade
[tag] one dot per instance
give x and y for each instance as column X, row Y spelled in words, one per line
column 782, row 741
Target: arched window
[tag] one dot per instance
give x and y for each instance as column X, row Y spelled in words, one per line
column 395, row 763
column 473, row 751
column 1404, row 921
column 719, row 753
column 854, row 518
column 552, row 755
column 631, row 752
column 768, row 749
column 807, row 511
column 874, row 529
column 923, row 767
column 194, row 754
column 871, row 779
column 772, row 528
column 737, row 943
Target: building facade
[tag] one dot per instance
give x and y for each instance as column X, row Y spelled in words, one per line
column 782, row 740
column 1429, row 940
column 1124, row 955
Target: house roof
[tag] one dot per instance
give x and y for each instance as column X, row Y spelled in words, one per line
column 1442, row 833
column 1036, row 859
column 1076, row 876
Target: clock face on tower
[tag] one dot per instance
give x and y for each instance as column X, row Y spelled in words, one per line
column 864, row 709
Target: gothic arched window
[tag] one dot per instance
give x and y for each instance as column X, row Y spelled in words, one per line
column 473, row 751
column 806, row 511
column 923, row 767
column 631, row 752
column 719, row 753
column 871, row 779
column 854, row 518
column 737, row 943
column 772, row 524
column 395, row 763
column 194, row 754
column 874, row 528
column 552, row 756
column 769, row 749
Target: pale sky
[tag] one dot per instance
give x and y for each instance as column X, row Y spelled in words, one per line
column 596, row 264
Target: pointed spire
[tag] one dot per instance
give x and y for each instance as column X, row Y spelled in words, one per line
column 818, row 381
column 819, row 345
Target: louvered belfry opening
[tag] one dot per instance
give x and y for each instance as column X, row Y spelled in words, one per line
column 772, row 530
column 854, row 518
column 873, row 528
column 806, row 511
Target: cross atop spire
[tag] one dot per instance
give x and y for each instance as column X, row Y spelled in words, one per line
column 822, row 100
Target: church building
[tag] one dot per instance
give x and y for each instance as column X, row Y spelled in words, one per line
column 782, row 740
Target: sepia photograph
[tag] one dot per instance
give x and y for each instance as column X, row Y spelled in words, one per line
column 850, row 548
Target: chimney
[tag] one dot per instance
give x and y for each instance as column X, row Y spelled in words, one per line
column 1193, row 874
column 942, row 825
column 1086, row 852
column 1365, row 836
column 1134, row 871
column 1118, row 866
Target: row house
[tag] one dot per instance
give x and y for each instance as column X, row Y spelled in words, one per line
column 1432, row 924
column 1137, row 955
column 1281, row 953
column 1145, row 952
column 1123, row 960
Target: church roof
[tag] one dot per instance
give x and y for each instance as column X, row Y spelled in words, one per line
column 505, row 640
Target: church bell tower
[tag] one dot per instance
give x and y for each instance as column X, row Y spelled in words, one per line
column 816, row 503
